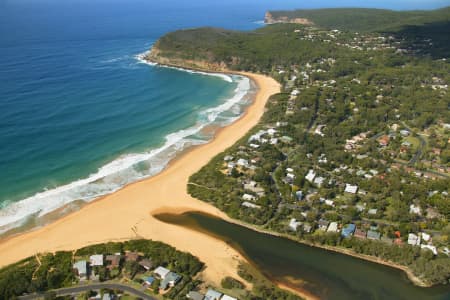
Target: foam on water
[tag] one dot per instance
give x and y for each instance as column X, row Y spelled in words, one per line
column 130, row 167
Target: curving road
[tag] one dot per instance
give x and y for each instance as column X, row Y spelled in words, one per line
column 95, row 286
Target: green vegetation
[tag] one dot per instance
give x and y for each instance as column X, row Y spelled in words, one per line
column 51, row 271
column 365, row 19
column 358, row 135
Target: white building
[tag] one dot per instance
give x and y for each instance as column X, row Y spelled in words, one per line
column 352, row 189
column 413, row 239
column 161, row 272
column 333, row 227
column 248, row 197
column 96, row 260
column 293, row 224
column 415, row 209
column 310, row 176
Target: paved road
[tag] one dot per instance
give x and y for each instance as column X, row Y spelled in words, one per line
column 96, row 286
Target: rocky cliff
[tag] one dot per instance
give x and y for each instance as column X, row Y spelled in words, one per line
column 270, row 19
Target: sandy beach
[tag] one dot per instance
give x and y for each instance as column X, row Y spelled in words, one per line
column 127, row 213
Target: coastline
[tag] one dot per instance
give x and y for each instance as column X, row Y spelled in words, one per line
column 125, row 214
column 218, row 265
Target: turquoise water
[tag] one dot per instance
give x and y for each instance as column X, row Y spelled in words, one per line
column 80, row 115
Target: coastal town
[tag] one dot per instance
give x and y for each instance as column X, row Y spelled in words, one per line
column 332, row 163
column 348, row 157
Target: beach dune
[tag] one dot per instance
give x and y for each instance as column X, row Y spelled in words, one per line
column 127, row 213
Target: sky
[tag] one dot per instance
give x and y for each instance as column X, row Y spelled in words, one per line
column 275, row 4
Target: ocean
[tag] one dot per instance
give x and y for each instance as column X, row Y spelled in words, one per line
column 81, row 115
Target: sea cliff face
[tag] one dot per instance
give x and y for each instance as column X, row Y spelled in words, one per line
column 270, row 19
column 172, row 59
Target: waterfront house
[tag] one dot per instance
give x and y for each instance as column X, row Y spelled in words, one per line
column 161, row 272
column 323, row 224
column 348, row 230
column 359, row 233
column 213, row 295
column 194, row 295
column 373, row 235
column 96, row 260
column 113, row 261
column 131, row 256
column 293, row 224
column 307, row 228
column 333, row 227
column 146, row 264
column 81, row 269
column 170, row 280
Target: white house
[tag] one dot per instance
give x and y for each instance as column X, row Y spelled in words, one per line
column 293, row 224
column 242, row 162
column 430, row 247
column 413, row 239
column 415, row 209
column 352, row 189
column 96, row 260
column 333, row 227
column 319, row 181
column 213, row 295
column 310, row 176
column 329, row 202
column 248, row 197
column 161, row 272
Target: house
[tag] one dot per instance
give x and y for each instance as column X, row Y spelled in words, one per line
column 113, row 261
column 194, row 295
column 170, row 280
column 96, row 260
column 248, row 197
column 161, row 272
column 80, row 268
column 329, row 202
column 352, row 189
column 146, row 264
column 415, row 209
column 299, row 195
column 212, row 295
column 319, row 181
column 242, row 162
column 250, row 205
column 348, row 230
column 226, row 297
column 413, row 239
column 359, row 233
column 131, row 256
column 293, row 224
column 373, row 235
column 307, row 228
column 333, row 227
column 430, row 247
column 323, row 224
column 425, row 237
column 372, row 211
column 149, row 280
column 271, row 131
column 310, row 176
column 228, row 158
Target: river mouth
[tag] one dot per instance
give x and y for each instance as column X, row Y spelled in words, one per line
column 310, row 270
